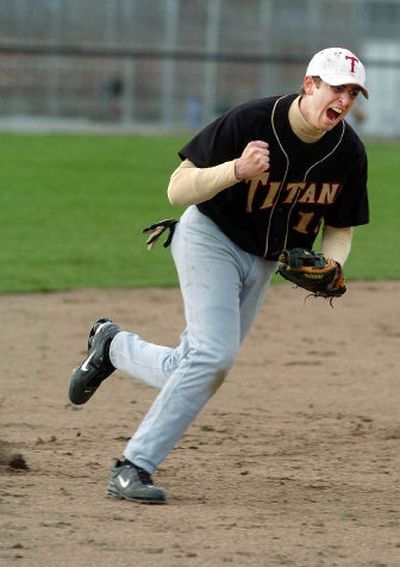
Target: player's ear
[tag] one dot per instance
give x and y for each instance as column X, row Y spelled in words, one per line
column 308, row 85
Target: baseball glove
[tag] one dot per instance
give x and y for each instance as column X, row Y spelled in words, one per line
column 320, row 275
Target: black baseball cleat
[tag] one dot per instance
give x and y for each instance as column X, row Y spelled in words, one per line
column 97, row 365
column 129, row 482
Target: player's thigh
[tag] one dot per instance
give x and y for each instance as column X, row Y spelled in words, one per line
column 210, row 280
column 253, row 292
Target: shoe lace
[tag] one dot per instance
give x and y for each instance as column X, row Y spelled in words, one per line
column 143, row 475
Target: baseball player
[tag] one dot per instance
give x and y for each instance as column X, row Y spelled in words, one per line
column 264, row 177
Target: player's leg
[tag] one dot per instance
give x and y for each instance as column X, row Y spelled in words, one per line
column 154, row 364
column 213, row 274
column 148, row 362
column 253, row 292
column 151, row 363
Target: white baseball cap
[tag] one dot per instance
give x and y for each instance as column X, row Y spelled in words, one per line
column 338, row 66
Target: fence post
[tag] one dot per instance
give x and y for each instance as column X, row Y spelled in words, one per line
column 168, row 64
column 211, row 66
column 129, row 97
column 53, row 82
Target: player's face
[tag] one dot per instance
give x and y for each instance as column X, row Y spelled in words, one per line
column 325, row 105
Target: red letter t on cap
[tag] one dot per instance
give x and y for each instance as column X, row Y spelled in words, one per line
column 353, row 60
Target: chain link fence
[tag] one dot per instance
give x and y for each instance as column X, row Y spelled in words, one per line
column 175, row 64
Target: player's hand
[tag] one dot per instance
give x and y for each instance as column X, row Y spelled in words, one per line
column 253, row 161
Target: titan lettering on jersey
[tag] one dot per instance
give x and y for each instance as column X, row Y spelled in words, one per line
column 300, row 192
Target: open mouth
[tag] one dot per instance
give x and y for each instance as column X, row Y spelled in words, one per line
column 333, row 112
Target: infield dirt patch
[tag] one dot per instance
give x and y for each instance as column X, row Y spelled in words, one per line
column 294, row 462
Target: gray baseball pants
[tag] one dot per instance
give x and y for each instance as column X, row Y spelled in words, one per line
column 223, row 288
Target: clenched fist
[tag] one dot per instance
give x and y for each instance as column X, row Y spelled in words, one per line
column 253, row 161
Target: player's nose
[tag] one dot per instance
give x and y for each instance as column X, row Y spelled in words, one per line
column 345, row 99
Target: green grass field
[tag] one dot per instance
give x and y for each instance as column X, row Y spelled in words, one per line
column 73, row 207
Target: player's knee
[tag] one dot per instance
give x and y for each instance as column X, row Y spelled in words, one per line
column 212, row 365
column 221, row 359
column 217, row 380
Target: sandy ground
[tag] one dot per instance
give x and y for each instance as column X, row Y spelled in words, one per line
column 294, row 462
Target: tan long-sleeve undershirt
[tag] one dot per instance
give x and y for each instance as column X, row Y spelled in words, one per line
column 336, row 243
column 191, row 185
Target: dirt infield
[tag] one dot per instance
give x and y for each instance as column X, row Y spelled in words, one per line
column 294, row 462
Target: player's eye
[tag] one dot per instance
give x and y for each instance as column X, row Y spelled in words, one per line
column 337, row 89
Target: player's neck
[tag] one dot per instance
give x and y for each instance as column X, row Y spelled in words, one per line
column 300, row 126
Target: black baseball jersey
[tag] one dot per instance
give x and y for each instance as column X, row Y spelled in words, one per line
column 305, row 183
